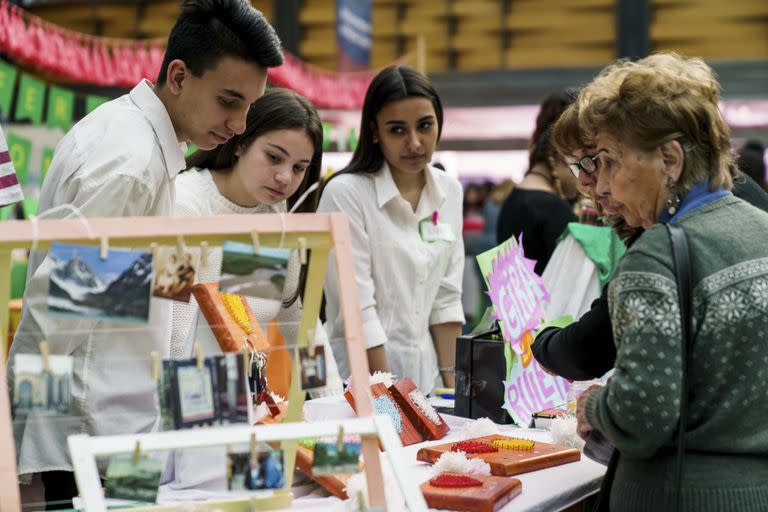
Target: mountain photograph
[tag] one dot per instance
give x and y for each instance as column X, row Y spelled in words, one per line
column 82, row 284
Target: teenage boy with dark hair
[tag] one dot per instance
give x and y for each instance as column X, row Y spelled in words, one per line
column 121, row 161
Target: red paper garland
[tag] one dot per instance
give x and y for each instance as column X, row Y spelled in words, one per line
column 123, row 63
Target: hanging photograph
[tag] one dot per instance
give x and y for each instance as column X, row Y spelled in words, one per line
column 261, row 470
column 329, row 460
column 131, row 478
column 312, row 367
column 256, row 275
column 165, row 397
column 194, row 402
column 231, row 387
column 174, row 273
column 84, row 285
column 39, row 389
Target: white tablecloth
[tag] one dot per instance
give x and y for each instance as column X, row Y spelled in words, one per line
column 547, row 490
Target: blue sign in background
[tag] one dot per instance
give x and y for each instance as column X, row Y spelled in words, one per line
column 353, row 31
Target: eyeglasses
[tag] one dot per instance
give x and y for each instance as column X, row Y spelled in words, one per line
column 588, row 164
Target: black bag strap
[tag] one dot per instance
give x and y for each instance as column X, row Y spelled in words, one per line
column 683, row 272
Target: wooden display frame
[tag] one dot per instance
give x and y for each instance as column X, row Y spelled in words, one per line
column 320, row 233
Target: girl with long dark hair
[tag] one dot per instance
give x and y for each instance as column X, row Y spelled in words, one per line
column 405, row 218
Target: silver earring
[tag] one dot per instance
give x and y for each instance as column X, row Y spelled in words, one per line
column 673, row 201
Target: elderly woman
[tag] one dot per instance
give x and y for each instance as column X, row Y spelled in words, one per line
column 663, row 155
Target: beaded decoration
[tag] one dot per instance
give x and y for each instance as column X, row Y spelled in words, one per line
column 384, row 405
column 513, row 444
column 423, row 405
column 473, row 447
column 451, row 480
column 234, row 306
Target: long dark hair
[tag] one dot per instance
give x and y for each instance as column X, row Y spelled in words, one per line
column 391, row 84
column 278, row 109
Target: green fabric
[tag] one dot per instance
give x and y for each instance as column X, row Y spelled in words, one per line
column 18, row 279
column 29, row 102
column 601, row 245
column 638, row 410
column 94, row 102
column 61, row 105
column 7, row 82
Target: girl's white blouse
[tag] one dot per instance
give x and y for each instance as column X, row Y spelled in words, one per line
column 405, row 284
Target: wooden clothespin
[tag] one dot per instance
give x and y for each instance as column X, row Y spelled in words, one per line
column 44, row 355
column 155, row 365
column 311, row 342
column 254, row 450
column 104, row 248
column 137, row 453
column 199, row 355
column 302, row 250
column 181, row 247
column 340, row 440
column 203, row 254
column 153, row 250
column 255, row 241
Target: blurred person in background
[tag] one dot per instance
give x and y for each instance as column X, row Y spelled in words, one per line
column 538, row 206
column 752, row 162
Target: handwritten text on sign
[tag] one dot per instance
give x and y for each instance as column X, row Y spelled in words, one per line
column 516, row 293
column 530, row 389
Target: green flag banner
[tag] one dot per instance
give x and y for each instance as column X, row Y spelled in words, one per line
column 46, row 163
column 61, row 105
column 327, row 127
column 29, row 103
column 93, row 102
column 7, row 211
column 20, row 149
column 7, row 81
column 29, row 206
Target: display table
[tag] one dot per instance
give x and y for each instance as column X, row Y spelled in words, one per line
column 549, row 489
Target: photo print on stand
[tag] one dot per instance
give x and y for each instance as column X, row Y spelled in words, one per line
column 39, row 389
column 175, row 273
column 262, row 469
column 216, row 393
column 331, row 458
column 84, row 285
column 132, row 477
column 245, row 272
column 193, row 392
column 313, row 369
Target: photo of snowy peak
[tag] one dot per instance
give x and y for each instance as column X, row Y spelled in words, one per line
column 82, row 284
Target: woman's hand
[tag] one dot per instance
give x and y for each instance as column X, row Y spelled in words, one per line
column 583, row 427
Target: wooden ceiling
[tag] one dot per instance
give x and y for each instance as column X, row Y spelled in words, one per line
column 138, row 19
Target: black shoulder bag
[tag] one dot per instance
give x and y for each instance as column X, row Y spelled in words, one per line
column 681, row 259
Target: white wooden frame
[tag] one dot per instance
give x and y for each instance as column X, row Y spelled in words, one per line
column 321, row 232
column 84, row 449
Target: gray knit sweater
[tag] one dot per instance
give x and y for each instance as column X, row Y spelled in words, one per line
column 726, row 463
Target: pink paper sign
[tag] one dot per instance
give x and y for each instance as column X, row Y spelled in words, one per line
column 516, row 292
column 530, row 389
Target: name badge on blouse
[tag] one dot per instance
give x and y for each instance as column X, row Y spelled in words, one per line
column 434, row 232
